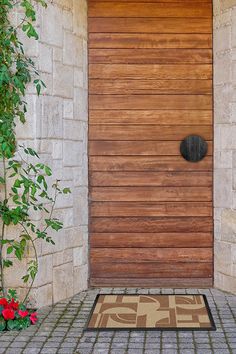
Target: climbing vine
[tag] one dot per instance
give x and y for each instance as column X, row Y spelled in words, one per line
column 24, row 186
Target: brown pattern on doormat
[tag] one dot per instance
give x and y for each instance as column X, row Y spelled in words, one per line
column 152, row 312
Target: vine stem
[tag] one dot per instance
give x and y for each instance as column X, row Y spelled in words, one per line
column 34, row 248
column 3, row 230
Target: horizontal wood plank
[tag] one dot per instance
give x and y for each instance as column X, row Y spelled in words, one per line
column 138, row 255
column 142, row 240
column 129, row 148
column 151, row 194
column 151, row 270
column 120, row 224
column 147, row 163
column 121, row 9
column 149, row 25
column 146, row 117
column 150, row 102
column 142, row 132
column 113, row 209
column 153, row 282
column 150, row 56
column 143, row 87
column 149, row 40
column 127, row 179
column 151, row 71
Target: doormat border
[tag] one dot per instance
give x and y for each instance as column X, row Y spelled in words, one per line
column 212, row 328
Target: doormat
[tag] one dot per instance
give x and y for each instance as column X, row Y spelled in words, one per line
column 150, row 312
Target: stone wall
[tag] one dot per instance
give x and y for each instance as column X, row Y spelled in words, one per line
column 225, row 143
column 57, row 128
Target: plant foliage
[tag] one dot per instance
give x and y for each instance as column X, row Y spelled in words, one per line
column 24, row 178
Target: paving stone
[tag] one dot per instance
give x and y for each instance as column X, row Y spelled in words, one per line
column 62, row 331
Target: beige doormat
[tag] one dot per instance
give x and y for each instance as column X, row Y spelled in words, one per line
column 157, row 312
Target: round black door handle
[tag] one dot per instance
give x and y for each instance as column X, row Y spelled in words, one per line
column 193, row 148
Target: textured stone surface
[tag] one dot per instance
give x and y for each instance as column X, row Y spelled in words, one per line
column 225, row 143
column 61, row 330
column 57, row 128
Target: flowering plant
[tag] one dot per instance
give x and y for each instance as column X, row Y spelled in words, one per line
column 14, row 315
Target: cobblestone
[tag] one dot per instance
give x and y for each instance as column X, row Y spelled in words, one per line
column 60, row 330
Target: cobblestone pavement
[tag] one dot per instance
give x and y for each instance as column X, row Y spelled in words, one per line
column 61, row 330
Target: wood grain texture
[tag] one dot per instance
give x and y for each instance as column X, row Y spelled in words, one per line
column 113, row 209
column 127, row 179
column 149, row 40
column 143, row 87
column 153, row 282
column 150, row 86
column 129, row 148
column 153, row 117
column 149, row 25
column 151, row 224
column 147, row 163
column 151, row 194
column 143, row 240
column 121, row 9
column 151, row 71
column 138, row 255
column 155, row 132
column 151, row 270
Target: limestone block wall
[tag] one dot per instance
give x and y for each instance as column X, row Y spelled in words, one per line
column 57, row 128
column 225, row 143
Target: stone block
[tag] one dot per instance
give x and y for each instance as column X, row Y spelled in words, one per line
column 222, row 69
column 76, row 236
column 44, row 275
column 222, row 39
column 63, row 80
column 80, row 17
column 223, row 159
column 51, row 28
column 80, row 196
column 74, row 130
column 223, row 188
column 63, row 279
column 73, row 53
column 68, row 109
column 63, row 257
column 28, row 130
column 227, row 136
column 68, row 20
column 80, row 80
column 41, row 296
column 80, row 104
column 222, row 97
column 52, row 111
column 45, row 58
column 223, row 257
column 228, row 222
column 65, row 4
column 80, row 278
column 80, row 256
column 72, row 153
column 57, row 149
column 226, row 282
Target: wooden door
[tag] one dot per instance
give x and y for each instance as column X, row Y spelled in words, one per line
column 150, row 86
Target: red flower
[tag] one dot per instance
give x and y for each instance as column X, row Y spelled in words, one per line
column 8, row 314
column 33, row 317
column 14, row 304
column 3, row 302
column 23, row 313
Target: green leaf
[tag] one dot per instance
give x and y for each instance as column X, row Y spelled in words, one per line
column 2, row 324
column 66, row 190
column 11, row 324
